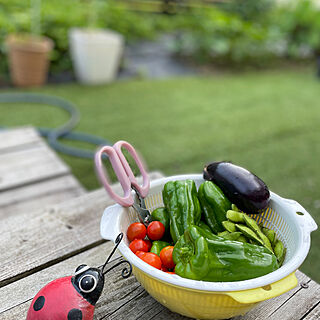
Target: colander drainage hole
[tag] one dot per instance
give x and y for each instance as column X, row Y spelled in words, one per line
column 267, row 287
column 300, row 213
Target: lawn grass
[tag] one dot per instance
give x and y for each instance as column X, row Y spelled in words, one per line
column 268, row 122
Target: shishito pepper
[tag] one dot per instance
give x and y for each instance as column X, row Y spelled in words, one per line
column 204, row 226
column 157, row 246
column 214, row 205
column 181, row 200
column 161, row 214
column 201, row 255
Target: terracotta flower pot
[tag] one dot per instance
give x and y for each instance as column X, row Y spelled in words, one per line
column 28, row 59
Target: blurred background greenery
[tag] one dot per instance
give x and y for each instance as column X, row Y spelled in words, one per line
column 234, row 33
column 261, row 110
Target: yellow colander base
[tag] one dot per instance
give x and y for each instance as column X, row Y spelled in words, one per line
column 203, row 304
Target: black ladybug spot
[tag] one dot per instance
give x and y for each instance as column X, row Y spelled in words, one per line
column 39, row 303
column 75, row 314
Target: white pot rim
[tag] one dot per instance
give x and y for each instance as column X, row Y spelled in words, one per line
column 83, row 34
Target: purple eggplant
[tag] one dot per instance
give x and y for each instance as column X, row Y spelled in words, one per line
column 248, row 192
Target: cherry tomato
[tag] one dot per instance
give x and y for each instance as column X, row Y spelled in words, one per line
column 170, row 272
column 163, row 268
column 155, row 230
column 166, row 257
column 138, row 245
column 152, row 259
column 149, row 243
column 136, row 230
column 140, row 253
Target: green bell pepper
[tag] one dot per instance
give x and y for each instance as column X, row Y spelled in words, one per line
column 214, row 205
column 181, row 200
column 201, row 255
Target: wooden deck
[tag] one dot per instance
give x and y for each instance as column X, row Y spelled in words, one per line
column 49, row 226
column 32, row 176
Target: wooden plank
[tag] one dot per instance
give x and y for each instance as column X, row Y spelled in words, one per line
column 273, row 308
column 17, row 138
column 28, row 166
column 39, row 195
column 136, row 302
column 19, row 312
column 299, row 304
column 314, row 313
column 35, row 240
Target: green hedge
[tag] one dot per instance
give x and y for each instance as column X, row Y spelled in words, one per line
column 239, row 32
column 301, row 25
column 226, row 36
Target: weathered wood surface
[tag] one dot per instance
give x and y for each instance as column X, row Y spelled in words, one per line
column 25, row 166
column 314, row 313
column 37, row 239
column 18, row 138
column 31, row 174
column 38, row 196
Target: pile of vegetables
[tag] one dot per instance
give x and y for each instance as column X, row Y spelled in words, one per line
column 206, row 234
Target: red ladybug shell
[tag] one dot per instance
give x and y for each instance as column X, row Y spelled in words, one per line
column 59, row 300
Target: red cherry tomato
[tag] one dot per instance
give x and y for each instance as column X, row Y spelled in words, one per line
column 152, row 259
column 138, row 245
column 164, row 269
column 140, row 253
column 149, row 243
column 155, row 230
column 166, row 257
column 170, row 272
column 136, row 230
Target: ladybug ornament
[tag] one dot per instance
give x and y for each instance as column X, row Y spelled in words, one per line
column 73, row 297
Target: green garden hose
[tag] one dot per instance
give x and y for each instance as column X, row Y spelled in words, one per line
column 62, row 132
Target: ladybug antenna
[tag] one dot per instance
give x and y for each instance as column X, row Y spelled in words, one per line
column 125, row 272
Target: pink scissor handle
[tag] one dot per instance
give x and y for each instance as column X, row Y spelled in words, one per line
column 144, row 189
column 123, row 172
column 127, row 199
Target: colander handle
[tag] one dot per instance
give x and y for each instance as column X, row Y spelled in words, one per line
column 110, row 224
column 303, row 214
column 266, row 292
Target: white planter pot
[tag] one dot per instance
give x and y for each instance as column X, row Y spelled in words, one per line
column 95, row 54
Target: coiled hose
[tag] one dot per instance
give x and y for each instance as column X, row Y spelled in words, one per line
column 62, row 132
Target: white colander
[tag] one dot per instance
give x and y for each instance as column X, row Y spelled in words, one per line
column 291, row 222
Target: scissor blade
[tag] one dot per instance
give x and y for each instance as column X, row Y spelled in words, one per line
column 144, row 214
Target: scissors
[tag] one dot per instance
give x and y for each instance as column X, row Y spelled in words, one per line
column 126, row 178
